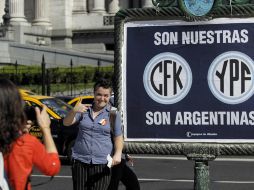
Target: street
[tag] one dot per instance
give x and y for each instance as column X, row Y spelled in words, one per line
column 168, row 173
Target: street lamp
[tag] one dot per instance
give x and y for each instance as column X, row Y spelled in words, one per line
column 6, row 16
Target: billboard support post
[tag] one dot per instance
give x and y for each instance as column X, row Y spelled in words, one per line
column 201, row 175
column 201, row 155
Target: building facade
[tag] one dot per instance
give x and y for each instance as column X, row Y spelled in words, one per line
column 81, row 30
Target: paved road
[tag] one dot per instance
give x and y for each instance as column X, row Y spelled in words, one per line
column 170, row 173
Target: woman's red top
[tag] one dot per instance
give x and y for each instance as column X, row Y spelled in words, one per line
column 27, row 151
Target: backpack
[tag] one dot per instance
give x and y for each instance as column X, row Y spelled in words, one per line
column 3, row 180
column 112, row 119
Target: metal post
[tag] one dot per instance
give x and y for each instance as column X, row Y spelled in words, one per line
column 99, row 64
column 16, row 72
column 201, row 175
column 43, row 69
column 71, row 64
column 48, row 82
column 85, row 78
column 201, row 154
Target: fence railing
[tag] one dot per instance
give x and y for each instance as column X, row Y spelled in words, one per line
column 56, row 81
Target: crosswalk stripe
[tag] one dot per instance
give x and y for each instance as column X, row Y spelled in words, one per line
column 164, row 180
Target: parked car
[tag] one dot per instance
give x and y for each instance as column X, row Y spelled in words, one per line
column 64, row 137
column 74, row 100
column 66, row 99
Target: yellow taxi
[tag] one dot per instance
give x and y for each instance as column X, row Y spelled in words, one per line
column 57, row 109
column 74, row 100
column 84, row 100
column 25, row 92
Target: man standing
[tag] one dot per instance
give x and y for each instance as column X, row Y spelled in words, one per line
column 94, row 141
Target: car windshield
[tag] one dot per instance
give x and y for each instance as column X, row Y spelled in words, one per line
column 65, row 98
column 87, row 101
column 58, row 106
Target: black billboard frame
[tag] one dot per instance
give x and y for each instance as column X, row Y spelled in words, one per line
column 201, row 152
column 172, row 13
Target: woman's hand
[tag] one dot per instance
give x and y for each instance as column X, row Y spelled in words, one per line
column 27, row 127
column 43, row 121
column 42, row 116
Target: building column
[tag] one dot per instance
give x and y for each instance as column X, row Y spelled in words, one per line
column 113, row 6
column 147, row 3
column 17, row 15
column 41, row 17
column 99, row 6
column 80, row 6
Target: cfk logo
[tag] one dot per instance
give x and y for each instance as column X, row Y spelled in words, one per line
column 167, row 78
column 230, row 77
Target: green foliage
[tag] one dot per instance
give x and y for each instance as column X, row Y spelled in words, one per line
column 58, row 79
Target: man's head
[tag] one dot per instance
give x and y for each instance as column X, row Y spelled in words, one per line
column 104, row 83
column 102, row 93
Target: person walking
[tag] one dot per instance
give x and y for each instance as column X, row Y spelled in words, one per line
column 122, row 172
column 93, row 146
column 21, row 150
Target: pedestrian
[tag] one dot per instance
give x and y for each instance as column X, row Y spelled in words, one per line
column 93, row 144
column 21, row 150
column 122, row 172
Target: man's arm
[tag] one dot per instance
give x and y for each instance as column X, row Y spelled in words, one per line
column 70, row 117
column 118, row 145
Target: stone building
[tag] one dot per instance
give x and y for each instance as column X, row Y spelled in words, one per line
column 61, row 30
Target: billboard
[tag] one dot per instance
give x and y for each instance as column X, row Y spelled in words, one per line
column 188, row 81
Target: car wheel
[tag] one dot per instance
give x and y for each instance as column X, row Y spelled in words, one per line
column 69, row 151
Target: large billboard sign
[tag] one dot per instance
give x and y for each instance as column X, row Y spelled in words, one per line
column 188, row 81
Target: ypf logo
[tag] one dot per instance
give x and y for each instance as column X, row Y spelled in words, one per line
column 167, row 78
column 230, row 77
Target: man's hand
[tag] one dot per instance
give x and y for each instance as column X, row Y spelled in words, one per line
column 118, row 145
column 129, row 159
column 116, row 159
column 79, row 107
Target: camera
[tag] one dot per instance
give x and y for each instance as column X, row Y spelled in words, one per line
column 30, row 113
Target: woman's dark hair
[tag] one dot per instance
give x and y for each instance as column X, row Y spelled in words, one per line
column 104, row 83
column 12, row 117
